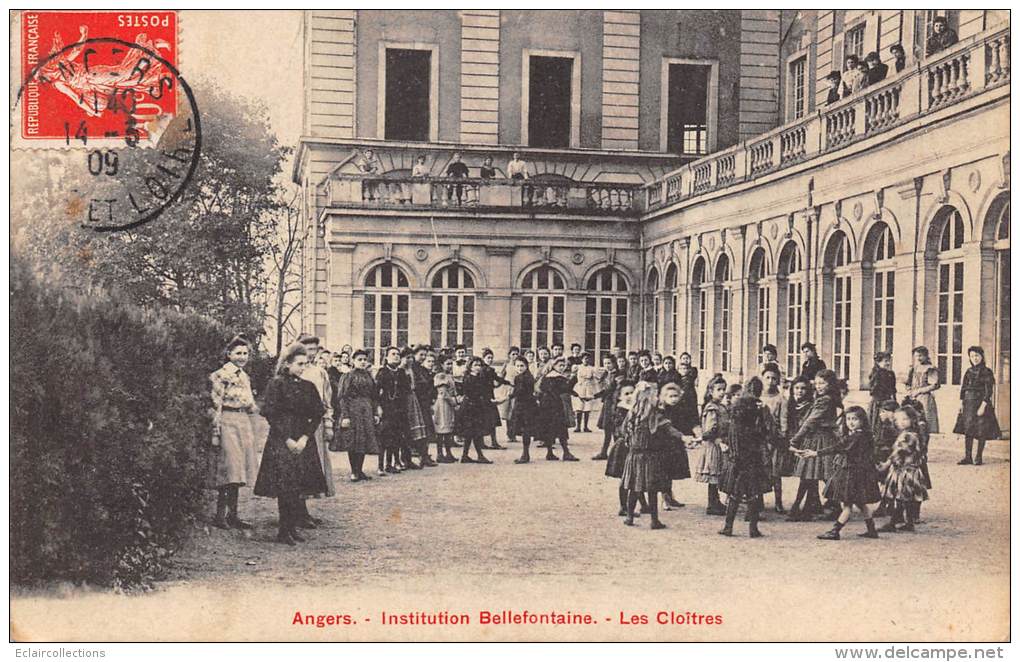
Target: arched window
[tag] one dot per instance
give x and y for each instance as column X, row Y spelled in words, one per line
column 605, row 319
column 699, row 290
column 453, row 307
column 949, row 318
column 761, row 300
column 724, row 320
column 837, row 258
column 672, row 282
column 542, row 305
column 1003, row 302
column 387, row 293
column 793, row 305
column 653, row 299
column 881, row 250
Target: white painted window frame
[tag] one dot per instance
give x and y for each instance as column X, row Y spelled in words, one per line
column 790, row 95
column 380, row 120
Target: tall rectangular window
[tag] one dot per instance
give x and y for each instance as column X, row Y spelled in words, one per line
column 549, row 98
column 841, row 326
column 702, row 324
column 724, row 327
column 949, row 346
column 794, row 326
column 687, row 109
column 408, row 81
column 764, row 304
column 453, row 320
column 798, row 88
column 885, row 291
column 605, row 325
column 853, row 42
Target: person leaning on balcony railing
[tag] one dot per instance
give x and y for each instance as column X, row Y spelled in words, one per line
column 487, row 171
column 877, row 71
column 457, row 169
column 370, row 164
column 854, row 76
column 941, row 37
column 834, row 80
column 517, row 168
column 900, row 56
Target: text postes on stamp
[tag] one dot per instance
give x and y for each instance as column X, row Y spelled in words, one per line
column 115, row 97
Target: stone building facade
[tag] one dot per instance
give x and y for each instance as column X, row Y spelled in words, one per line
column 688, row 187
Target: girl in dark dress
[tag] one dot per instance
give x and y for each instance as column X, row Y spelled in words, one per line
column 356, row 415
column 977, row 414
column 525, row 408
column 492, row 380
column 474, row 415
column 650, row 435
column 689, row 383
column 882, row 384
column 855, row 482
column 678, row 464
column 797, row 410
column 668, row 374
column 417, row 422
column 607, row 415
column 620, row 447
column 553, row 424
column 748, row 477
column 818, row 431
column 394, row 393
column 424, row 387
column 290, row 460
column 782, row 461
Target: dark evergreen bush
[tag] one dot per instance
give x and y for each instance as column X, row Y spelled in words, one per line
column 109, row 431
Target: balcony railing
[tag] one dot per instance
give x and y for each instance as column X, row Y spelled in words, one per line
column 970, row 66
column 466, row 194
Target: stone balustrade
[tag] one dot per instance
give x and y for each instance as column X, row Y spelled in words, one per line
column 958, row 73
column 483, row 194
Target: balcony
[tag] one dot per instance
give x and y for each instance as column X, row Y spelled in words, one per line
column 970, row 67
column 473, row 195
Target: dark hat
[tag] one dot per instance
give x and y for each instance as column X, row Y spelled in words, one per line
column 889, row 405
column 308, row 339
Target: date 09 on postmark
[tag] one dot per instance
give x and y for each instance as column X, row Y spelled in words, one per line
column 107, row 83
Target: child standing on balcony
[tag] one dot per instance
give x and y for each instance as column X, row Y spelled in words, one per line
column 456, row 170
column 835, row 82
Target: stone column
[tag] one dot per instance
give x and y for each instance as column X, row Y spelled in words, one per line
column 341, row 327
column 498, row 316
column 683, row 319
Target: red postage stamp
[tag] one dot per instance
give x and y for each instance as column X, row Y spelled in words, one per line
column 97, row 75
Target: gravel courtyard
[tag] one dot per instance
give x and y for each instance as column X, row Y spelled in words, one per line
column 546, row 537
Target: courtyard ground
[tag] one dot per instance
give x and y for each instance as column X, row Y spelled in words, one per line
column 546, row 537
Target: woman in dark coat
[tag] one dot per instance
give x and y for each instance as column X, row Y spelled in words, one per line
column 473, row 417
column 748, row 477
column 552, row 423
column 650, row 436
column 356, row 416
column 290, row 461
column 977, row 413
column 525, row 408
column 855, row 482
